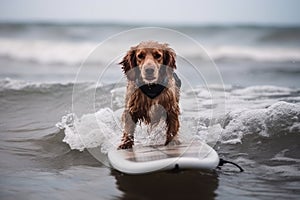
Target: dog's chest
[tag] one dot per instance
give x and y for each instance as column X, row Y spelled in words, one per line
column 152, row 91
column 147, row 109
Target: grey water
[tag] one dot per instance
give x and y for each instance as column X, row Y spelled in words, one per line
column 259, row 128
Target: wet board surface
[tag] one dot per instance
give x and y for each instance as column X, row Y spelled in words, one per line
column 146, row 159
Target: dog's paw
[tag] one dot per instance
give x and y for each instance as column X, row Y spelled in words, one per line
column 126, row 145
column 173, row 142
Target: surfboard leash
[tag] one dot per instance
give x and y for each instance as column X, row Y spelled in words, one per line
column 222, row 162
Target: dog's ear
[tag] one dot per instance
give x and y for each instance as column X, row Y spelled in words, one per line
column 129, row 65
column 169, row 58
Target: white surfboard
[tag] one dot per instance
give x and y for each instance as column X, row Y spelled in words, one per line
column 146, row 159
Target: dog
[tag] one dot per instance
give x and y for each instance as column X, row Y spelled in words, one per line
column 152, row 92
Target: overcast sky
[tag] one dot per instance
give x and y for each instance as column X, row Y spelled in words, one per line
column 282, row 12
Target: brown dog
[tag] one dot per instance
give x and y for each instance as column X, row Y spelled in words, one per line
column 152, row 90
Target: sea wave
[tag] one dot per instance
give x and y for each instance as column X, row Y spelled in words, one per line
column 272, row 54
column 259, row 111
column 45, row 51
column 279, row 118
column 70, row 53
column 9, row 84
column 102, row 129
column 262, row 113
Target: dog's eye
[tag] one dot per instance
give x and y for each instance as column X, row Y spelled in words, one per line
column 141, row 56
column 157, row 56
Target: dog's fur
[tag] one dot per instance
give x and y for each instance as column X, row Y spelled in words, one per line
column 150, row 63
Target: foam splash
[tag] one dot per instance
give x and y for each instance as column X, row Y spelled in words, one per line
column 91, row 130
column 103, row 128
column 256, row 110
column 279, row 118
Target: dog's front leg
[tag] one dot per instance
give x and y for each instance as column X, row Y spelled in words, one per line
column 172, row 122
column 128, row 133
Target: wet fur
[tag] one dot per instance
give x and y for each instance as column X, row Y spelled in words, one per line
column 138, row 106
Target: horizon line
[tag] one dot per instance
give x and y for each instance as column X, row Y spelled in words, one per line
column 127, row 23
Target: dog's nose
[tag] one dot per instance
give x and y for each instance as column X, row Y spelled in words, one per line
column 149, row 71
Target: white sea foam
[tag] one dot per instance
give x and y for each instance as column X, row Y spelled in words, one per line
column 91, row 130
column 103, row 129
column 262, row 117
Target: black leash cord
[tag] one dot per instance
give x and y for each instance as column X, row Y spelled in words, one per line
column 222, row 162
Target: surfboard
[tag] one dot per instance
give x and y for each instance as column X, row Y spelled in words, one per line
column 147, row 159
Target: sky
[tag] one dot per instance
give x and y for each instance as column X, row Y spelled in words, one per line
column 273, row 12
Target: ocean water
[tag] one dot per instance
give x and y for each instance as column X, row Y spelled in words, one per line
column 62, row 95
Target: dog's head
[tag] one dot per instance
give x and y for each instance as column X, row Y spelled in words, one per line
column 149, row 61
